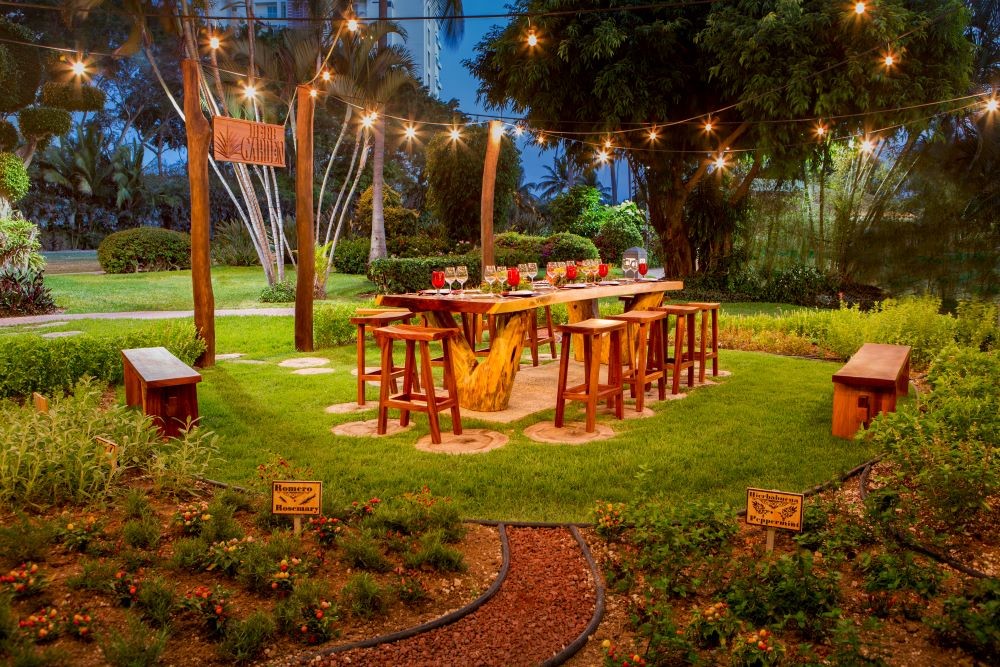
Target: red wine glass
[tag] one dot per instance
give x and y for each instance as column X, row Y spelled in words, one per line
column 571, row 271
column 513, row 278
column 602, row 271
column 643, row 268
column 437, row 279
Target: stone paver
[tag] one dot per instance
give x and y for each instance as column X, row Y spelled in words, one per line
column 252, row 362
column 366, row 429
column 572, row 433
column 229, row 356
column 304, row 362
column 472, row 441
column 62, row 334
column 313, row 371
column 350, row 408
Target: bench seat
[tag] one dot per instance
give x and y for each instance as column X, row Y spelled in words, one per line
column 867, row 385
column 163, row 385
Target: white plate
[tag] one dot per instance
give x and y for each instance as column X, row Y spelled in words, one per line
column 612, row 283
column 576, row 286
column 521, row 292
column 479, row 295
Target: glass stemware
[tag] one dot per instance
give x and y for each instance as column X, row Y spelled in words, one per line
column 501, row 276
column 643, row 268
column 532, row 271
column 490, row 275
column 602, row 271
column 461, row 276
column 437, row 280
column 449, row 277
column 551, row 273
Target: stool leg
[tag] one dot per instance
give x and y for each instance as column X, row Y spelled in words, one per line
column 451, row 386
column 533, row 339
column 701, row 350
column 691, row 348
column 592, row 355
column 383, row 387
column 631, row 361
column 615, row 374
column 715, row 341
column 551, row 330
column 432, row 409
column 409, row 379
column 678, row 353
column 657, row 346
column 361, row 364
column 640, row 370
column 561, row 386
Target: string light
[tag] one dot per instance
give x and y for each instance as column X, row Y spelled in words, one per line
column 992, row 105
column 326, row 76
column 708, row 126
column 353, row 25
column 720, row 162
column 79, row 68
column 541, row 139
column 859, row 8
column 602, row 156
column 532, row 38
column 653, row 135
column 214, row 42
column 455, row 134
column 821, row 130
column 867, row 146
column 313, row 92
column 410, row 132
column 607, row 144
column 889, row 60
column 249, row 92
column 518, row 130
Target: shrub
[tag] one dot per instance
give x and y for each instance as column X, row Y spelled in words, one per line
column 436, row 555
column 53, row 458
column 31, row 363
column 23, row 292
column 24, row 540
column 282, row 291
column 145, row 249
column 972, row 620
column 136, row 646
column 396, row 276
column 332, row 324
column 416, row 513
column 308, row 613
column 513, row 248
column 361, row 551
column 566, row 247
column 245, row 639
column 567, row 208
column 620, row 230
column 72, row 96
column 351, row 256
column 189, row 554
column 141, row 533
column 14, row 181
column 232, row 245
column 44, row 122
column 156, row 602
column 137, row 505
column 364, row 596
column 8, row 136
column 800, row 284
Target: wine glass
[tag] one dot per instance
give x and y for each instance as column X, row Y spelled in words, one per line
column 501, row 276
column 449, row 277
column 513, row 278
column 643, row 267
column 437, row 280
column 490, row 275
column 602, row 271
column 551, row 273
column 532, row 271
column 571, row 271
column 461, row 276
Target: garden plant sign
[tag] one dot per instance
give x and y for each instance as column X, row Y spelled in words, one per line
column 296, row 498
column 774, row 509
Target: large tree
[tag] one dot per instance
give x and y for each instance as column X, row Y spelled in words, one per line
column 754, row 65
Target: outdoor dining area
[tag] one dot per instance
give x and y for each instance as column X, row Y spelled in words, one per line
column 477, row 337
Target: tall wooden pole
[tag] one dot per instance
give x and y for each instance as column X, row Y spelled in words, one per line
column 489, row 186
column 304, row 219
column 199, row 139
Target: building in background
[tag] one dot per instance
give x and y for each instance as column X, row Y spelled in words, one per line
column 423, row 37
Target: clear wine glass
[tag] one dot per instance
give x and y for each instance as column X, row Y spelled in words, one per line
column 461, row 276
column 532, row 271
column 490, row 275
column 551, row 273
column 626, row 266
column 449, row 277
column 501, row 276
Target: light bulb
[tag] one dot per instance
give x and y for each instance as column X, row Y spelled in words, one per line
column 410, row 132
column 455, row 134
column 992, row 105
column 369, row 119
column 867, row 146
column 708, row 126
column 326, row 76
column 720, row 162
column 532, row 39
column 602, row 156
column 820, row 130
column 653, row 135
column 79, row 68
column 352, row 25
column 889, row 60
column 313, row 92
column 859, row 8
column 214, row 42
column 518, row 130
column 607, row 144
column 541, row 138
column 249, row 91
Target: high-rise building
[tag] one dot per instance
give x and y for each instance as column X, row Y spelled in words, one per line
column 423, row 37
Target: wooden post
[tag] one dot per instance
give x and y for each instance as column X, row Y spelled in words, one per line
column 199, row 139
column 297, row 521
column 41, row 403
column 769, row 544
column 489, row 186
column 304, row 220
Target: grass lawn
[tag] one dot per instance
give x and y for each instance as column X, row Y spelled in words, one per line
column 234, row 287
column 70, row 261
column 767, row 425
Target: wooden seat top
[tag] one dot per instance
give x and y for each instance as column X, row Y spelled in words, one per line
column 704, row 305
column 640, row 316
column 415, row 333
column 874, row 365
column 158, row 367
column 382, row 318
column 677, row 309
column 595, row 325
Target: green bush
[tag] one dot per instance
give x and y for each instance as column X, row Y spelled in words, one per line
column 141, row 533
column 282, row 291
column 157, row 602
column 364, row 596
column 23, row 292
column 73, row 96
column 136, row 646
column 14, row 181
column 620, row 230
column 53, row 458
column 24, row 540
column 232, row 245
column 8, row 136
column 399, row 275
column 435, row 554
column 30, row 363
column 332, row 324
column 803, row 285
column 145, row 249
column 971, row 620
column 244, row 640
column 565, row 247
column 568, row 211
column 44, row 122
column 362, row 552
column 351, row 256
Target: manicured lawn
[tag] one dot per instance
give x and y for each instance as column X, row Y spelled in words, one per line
column 234, row 287
column 70, row 261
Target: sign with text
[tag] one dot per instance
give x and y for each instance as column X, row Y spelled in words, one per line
column 774, row 509
column 296, row 498
column 236, row 140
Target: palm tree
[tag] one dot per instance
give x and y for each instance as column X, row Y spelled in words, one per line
column 453, row 27
column 562, row 175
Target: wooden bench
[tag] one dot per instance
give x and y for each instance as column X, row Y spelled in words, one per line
column 868, row 385
column 163, row 385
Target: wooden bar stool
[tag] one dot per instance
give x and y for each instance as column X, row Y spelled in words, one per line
column 646, row 355
column 683, row 331
column 540, row 336
column 375, row 319
column 591, row 391
column 708, row 307
column 411, row 399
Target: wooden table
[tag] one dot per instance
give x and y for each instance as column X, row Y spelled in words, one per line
column 485, row 383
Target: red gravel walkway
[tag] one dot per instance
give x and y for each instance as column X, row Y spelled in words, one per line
column 544, row 604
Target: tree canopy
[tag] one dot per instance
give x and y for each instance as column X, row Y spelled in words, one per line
column 757, row 66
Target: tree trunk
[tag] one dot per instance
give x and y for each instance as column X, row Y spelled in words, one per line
column 304, row 222
column 378, row 249
column 614, row 182
column 667, row 196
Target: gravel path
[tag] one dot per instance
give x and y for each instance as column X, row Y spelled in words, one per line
column 544, row 604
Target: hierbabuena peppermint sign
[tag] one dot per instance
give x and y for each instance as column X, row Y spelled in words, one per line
column 774, row 510
column 237, row 140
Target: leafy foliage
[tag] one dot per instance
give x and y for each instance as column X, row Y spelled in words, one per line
column 620, row 230
column 232, row 245
column 971, row 619
column 574, row 211
column 332, row 324
column 145, row 249
column 14, row 180
column 351, row 255
column 73, row 96
column 44, row 122
column 282, row 291
column 23, row 292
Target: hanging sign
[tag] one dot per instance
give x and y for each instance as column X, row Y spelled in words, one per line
column 774, row 509
column 236, row 140
column 296, row 498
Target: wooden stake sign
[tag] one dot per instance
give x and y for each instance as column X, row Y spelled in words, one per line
column 774, row 509
column 237, row 140
column 296, row 498
column 41, row 403
column 111, row 449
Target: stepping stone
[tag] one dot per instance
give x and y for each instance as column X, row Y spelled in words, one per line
column 255, row 362
column 630, row 413
column 48, row 325
column 304, row 362
column 472, row 441
column 62, row 334
column 572, row 433
column 366, row 429
column 350, row 408
column 229, row 356
column 313, row 371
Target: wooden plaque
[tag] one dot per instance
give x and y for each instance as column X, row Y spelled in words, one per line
column 236, row 140
column 775, row 509
column 296, row 498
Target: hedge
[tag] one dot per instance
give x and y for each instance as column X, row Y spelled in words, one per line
column 8, row 136
column 145, row 249
column 31, row 363
column 43, row 122
column 14, row 181
column 73, row 96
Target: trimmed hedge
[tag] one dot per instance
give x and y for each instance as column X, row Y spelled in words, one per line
column 30, row 363
column 44, row 122
column 73, row 96
column 14, row 181
column 8, row 136
column 145, row 249
column 332, row 324
column 351, row 256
